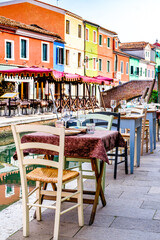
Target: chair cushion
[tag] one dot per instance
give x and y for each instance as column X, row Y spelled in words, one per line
column 50, row 175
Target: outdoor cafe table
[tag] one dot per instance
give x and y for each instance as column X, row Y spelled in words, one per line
column 133, row 122
column 90, row 146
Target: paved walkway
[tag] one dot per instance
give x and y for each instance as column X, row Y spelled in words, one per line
column 132, row 211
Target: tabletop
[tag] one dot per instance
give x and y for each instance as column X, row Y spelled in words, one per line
column 80, row 146
column 132, row 116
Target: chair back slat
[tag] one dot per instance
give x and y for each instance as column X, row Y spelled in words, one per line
column 37, row 128
column 39, row 161
column 40, row 145
column 17, row 129
column 95, row 116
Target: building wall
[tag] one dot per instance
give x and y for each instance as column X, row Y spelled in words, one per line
column 122, row 77
column 91, row 51
column 75, row 45
column 142, row 65
column 36, row 14
column 106, row 54
column 135, row 63
column 56, row 65
column 151, row 68
column 35, row 51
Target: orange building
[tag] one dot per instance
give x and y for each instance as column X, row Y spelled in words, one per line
column 35, row 12
column 25, row 45
column 105, row 52
column 121, row 64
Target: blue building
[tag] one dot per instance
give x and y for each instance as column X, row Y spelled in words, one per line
column 58, row 56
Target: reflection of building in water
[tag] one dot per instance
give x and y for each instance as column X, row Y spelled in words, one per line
column 10, row 187
column 6, row 153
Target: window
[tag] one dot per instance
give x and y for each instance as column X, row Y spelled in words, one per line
column 137, row 71
column 116, row 44
column 121, row 66
column 108, row 66
column 108, row 42
column 126, row 67
column 60, row 55
column 45, row 52
column 9, row 49
column 100, row 64
column 67, row 27
column 153, row 74
column 100, row 40
column 79, row 30
column 87, row 34
column 145, row 72
column 67, row 57
column 141, row 71
column 94, row 64
column 87, row 62
column 94, row 36
column 148, row 73
column 132, row 70
column 79, row 59
column 24, row 48
column 115, row 63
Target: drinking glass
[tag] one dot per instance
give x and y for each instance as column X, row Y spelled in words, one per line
column 123, row 104
column 113, row 104
column 81, row 115
column 65, row 116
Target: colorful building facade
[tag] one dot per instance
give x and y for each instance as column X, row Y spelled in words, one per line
column 91, row 49
column 105, row 52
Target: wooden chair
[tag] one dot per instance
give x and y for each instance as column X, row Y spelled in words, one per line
column 118, row 152
column 91, row 118
column 53, row 174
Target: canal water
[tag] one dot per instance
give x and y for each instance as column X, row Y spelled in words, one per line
column 10, row 187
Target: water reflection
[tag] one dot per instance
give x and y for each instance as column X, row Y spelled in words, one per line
column 10, row 188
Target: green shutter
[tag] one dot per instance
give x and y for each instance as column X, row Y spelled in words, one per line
column 8, row 50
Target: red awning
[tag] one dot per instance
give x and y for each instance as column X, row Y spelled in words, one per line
column 27, row 71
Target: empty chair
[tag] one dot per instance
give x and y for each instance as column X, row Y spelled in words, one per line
column 51, row 172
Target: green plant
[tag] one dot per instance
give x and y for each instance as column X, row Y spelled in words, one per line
column 154, row 97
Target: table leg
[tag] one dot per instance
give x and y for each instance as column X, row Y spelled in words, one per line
column 132, row 146
column 154, row 132
column 99, row 191
column 151, row 132
column 139, row 144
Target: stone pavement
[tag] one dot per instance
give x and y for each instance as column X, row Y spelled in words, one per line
column 132, row 211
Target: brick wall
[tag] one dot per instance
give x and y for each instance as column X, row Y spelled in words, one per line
column 127, row 91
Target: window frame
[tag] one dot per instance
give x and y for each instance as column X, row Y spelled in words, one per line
column 87, row 31
column 132, row 73
column 27, row 48
column 67, row 58
column 100, row 35
column 79, row 25
column 68, row 27
column 127, row 68
column 108, row 46
column 116, row 44
column 12, row 49
column 100, row 65
column 94, row 61
column 58, row 63
column 149, row 74
column 94, row 32
column 108, row 66
column 48, row 55
column 87, row 62
column 122, row 63
column 79, row 65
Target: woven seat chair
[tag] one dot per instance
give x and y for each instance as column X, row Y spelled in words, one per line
column 53, row 174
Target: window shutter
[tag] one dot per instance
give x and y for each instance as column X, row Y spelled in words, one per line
column 57, row 55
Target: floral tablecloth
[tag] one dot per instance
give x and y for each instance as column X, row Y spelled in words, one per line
column 79, row 146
